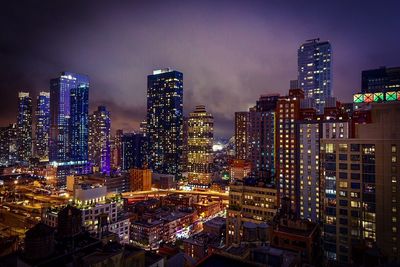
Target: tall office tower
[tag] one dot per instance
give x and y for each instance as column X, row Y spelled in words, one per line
column 242, row 135
column 360, row 178
column 262, row 137
column 380, row 80
column 287, row 113
column 133, row 151
column 165, row 121
column 79, row 123
column 99, row 139
column 200, row 143
column 42, row 125
column 60, row 113
column 310, row 129
column 24, row 124
column 315, row 71
column 252, row 204
column 117, row 149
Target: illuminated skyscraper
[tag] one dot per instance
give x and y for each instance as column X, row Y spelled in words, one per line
column 60, row 114
column 242, row 135
column 165, row 121
column 287, row 114
column 42, row 125
column 79, row 123
column 315, row 71
column 99, row 139
column 24, row 127
column 200, row 142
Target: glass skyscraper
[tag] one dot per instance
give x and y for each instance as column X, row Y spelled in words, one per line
column 42, row 125
column 315, row 71
column 60, row 115
column 165, row 121
column 79, row 123
column 99, row 139
column 24, row 127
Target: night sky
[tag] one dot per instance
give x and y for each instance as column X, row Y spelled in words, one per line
column 230, row 52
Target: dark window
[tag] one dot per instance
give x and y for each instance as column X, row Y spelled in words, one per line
column 355, row 214
column 330, row 166
column 355, row 176
column 355, row 157
column 369, row 178
column 354, row 147
column 343, row 202
column 355, row 185
column 343, row 175
column 342, row 156
column 330, row 157
column 343, row 166
column 343, row 212
column 367, row 168
column 343, row 221
column 343, row 230
column 355, row 167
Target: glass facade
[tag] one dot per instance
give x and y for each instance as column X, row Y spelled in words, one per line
column 315, row 71
column 24, row 127
column 165, row 121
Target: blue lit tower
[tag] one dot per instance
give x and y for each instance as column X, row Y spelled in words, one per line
column 42, row 125
column 315, row 71
column 24, row 127
column 165, row 121
column 99, row 139
column 60, row 112
column 79, row 123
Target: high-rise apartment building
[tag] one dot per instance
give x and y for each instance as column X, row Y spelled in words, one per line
column 164, row 121
column 360, row 182
column 380, row 80
column 200, row 143
column 242, row 135
column 24, row 126
column 287, row 115
column 8, row 145
column 42, row 125
column 99, row 139
column 261, row 136
column 315, row 71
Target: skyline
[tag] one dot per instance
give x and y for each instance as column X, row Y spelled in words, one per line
column 239, row 46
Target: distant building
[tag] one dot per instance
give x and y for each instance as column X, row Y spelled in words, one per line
column 315, row 71
column 99, row 139
column 380, row 80
column 42, row 125
column 24, row 127
column 165, row 121
column 242, row 135
column 200, row 142
column 8, row 145
column 117, row 150
column 262, row 138
column 240, row 169
column 62, row 120
column 133, row 151
column 140, row 179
